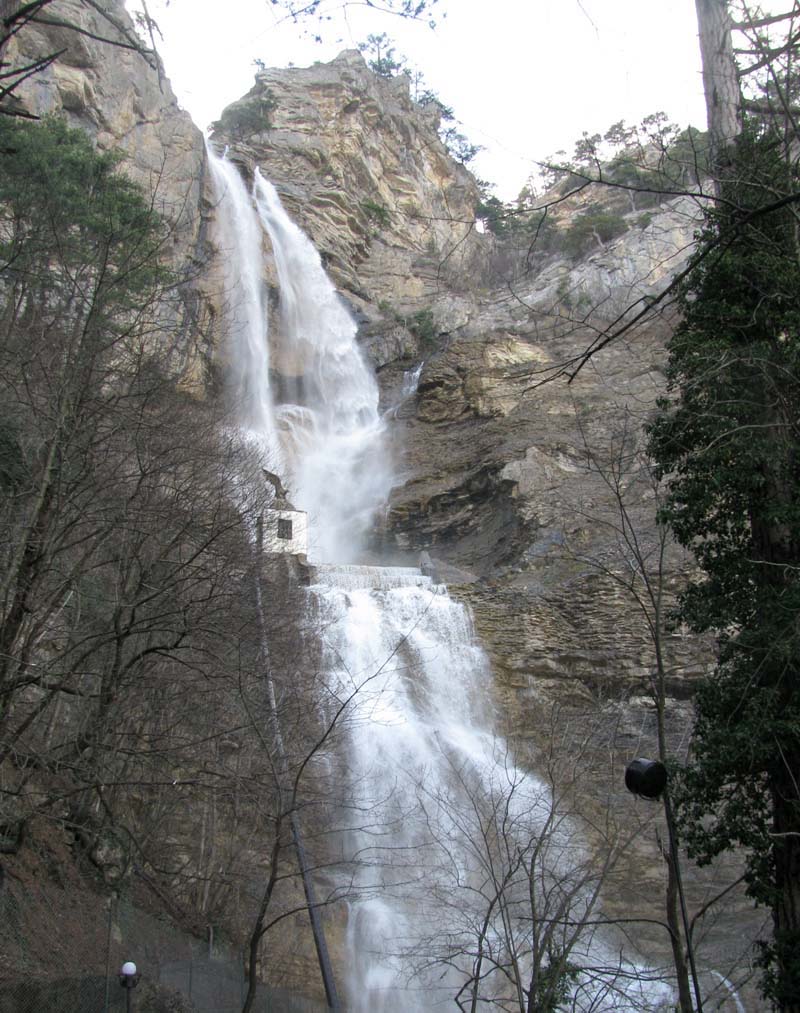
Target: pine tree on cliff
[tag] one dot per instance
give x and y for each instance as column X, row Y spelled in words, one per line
column 728, row 439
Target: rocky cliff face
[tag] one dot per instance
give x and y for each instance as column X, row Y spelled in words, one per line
column 114, row 93
column 492, row 463
column 123, row 100
column 361, row 168
column 509, row 486
column 495, row 478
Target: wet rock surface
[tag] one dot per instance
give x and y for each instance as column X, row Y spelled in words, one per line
column 497, row 486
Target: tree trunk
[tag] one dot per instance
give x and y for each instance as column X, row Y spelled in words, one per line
column 786, row 910
column 720, row 79
column 254, row 942
column 685, row 1003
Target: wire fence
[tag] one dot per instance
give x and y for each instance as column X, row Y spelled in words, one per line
column 8, row 7
column 61, row 949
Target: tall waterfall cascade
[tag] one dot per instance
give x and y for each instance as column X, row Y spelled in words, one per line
column 442, row 808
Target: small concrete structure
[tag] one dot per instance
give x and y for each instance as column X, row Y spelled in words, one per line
column 285, row 529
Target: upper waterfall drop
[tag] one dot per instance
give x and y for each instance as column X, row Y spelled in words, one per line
column 324, row 434
column 329, row 427
column 245, row 304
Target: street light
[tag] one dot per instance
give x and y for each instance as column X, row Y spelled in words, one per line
column 648, row 779
column 128, row 979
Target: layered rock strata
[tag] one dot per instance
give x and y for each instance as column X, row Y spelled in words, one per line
column 107, row 82
column 360, row 167
column 502, row 477
column 495, row 480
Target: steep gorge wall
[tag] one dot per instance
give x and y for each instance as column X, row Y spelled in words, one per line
column 493, row 482
column 491, row 462
column 362, row 170
column 508, row 475
column 123, row 100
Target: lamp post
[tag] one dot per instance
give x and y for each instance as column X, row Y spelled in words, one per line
column 648, row 779
column 128, row 979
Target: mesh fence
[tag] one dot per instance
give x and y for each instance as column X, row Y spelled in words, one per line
column 60, row 951
column 8, row 7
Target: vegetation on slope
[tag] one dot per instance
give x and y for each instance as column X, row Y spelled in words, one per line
column 728, row 439
column 132, row 694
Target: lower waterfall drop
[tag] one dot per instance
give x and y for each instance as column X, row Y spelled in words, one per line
column 442, row 807
column 451, row 819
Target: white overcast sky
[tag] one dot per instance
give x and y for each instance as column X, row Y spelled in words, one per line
column 524, row 77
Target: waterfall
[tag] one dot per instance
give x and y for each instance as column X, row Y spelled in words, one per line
column 331, row 432
column 441, row 807
column 240, row 239
column 408, row 388
column 423, row 708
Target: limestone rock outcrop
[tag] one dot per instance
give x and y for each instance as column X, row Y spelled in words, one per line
column 494, row 480
column 118, row 95
column 492, row 468
column 360, row 167
column 121, row 97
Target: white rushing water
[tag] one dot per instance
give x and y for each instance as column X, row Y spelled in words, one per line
column 444, row 816
column 408, row 389
column 240, row 238
column 331, row 432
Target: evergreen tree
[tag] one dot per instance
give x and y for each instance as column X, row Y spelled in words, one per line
column 728, row 439
column 381, row 53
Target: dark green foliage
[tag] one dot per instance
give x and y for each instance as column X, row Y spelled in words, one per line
column 383, row 61
column 494, row 214
column 728, row 438
column 459, row 145
column 650, row 163
column 252, row 115
column 688, row 156
column 632, row 169
column 540, row 227
column 381, row 55
column 644, row 185
column 594, row 227
column 421, row 324
column 423, row 327
column 121, row 556
column 81, row 289
column 551, row 990
column 377, row 213
column 54, row 188
column 655, row 173
column 430, row 98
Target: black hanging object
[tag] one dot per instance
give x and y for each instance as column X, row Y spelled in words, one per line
column 647, row 778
